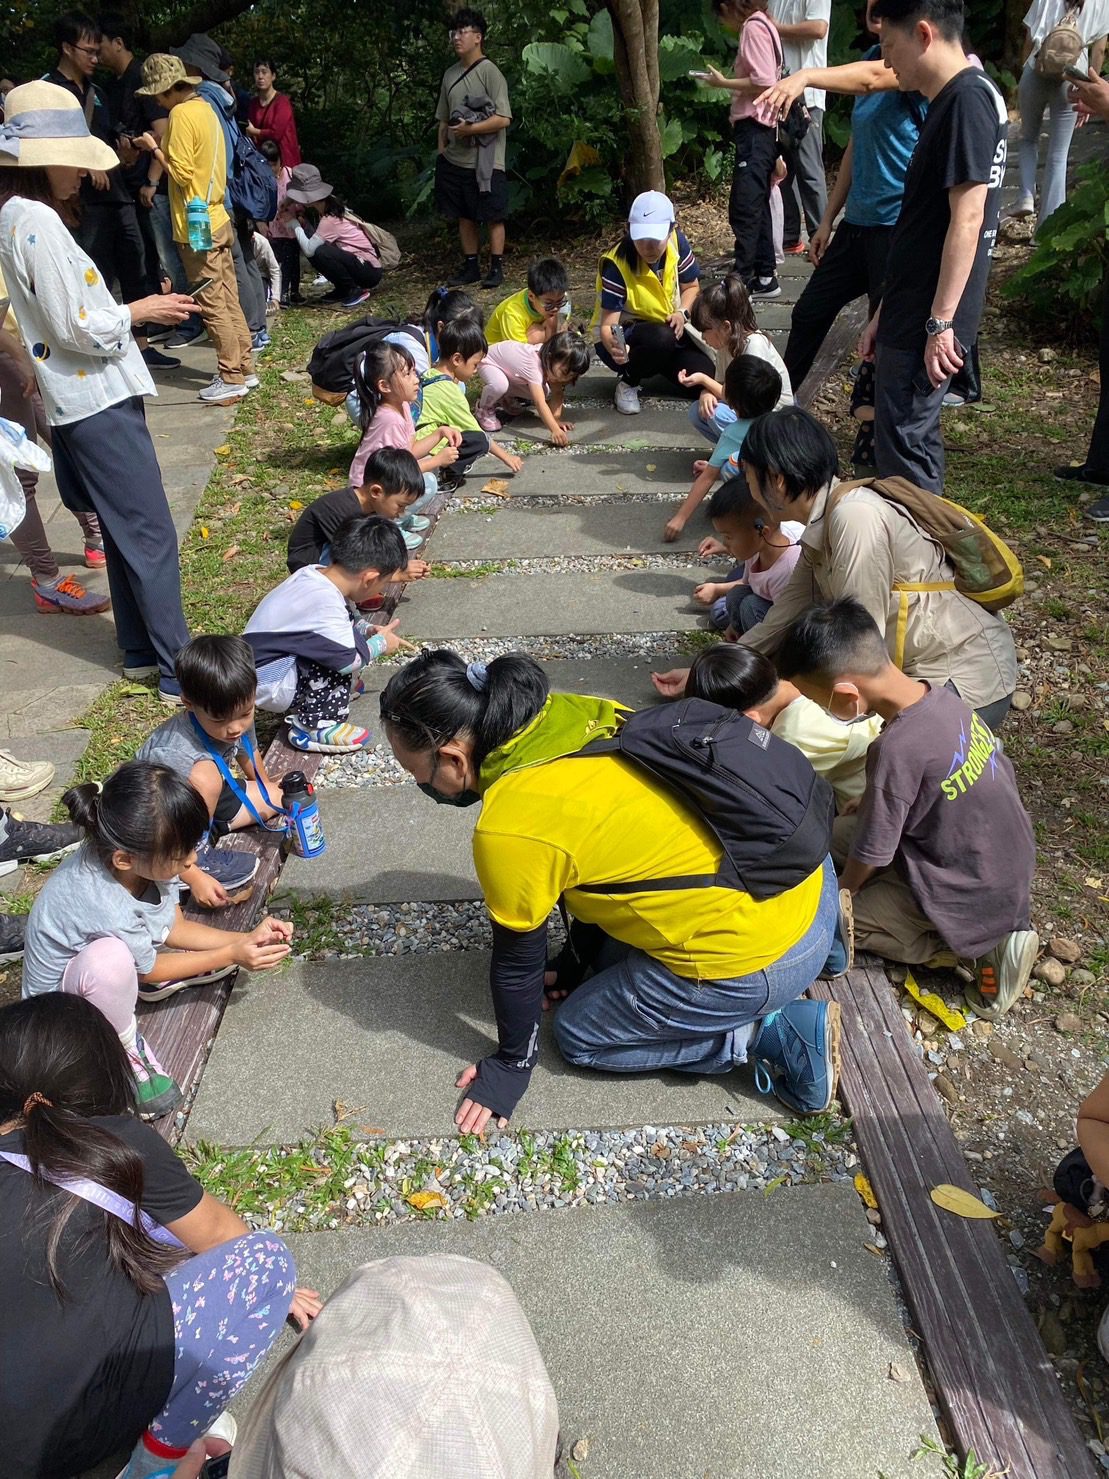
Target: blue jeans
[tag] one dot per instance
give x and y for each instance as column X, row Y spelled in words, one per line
column 636, row 1016
column 162, row 223
column 723, row 416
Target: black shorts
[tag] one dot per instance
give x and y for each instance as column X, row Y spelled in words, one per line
column 458, row 198
column 227, row 809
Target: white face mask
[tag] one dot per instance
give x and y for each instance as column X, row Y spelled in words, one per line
column 847, row 723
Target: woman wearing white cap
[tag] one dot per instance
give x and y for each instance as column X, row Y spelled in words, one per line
column 645, row 286
column 90, row 371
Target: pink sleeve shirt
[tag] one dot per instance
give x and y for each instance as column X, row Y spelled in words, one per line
column 759, row 58
column 349, row 238
column 389, row 428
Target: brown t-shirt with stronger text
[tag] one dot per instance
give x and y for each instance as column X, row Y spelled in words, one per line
column 941, row 804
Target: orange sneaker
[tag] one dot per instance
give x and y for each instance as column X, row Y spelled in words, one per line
column 68, row 596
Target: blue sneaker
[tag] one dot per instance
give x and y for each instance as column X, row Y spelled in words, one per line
column 416, row 522
column 796, row 1053
column 234, row 870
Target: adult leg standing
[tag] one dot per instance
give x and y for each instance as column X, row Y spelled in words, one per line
column 140, row 541
column 908, row 442
column 249, row 285
column 805, row 187
column 749, row 202
column 1036, row 95
column 854, row 264
column 223, row 315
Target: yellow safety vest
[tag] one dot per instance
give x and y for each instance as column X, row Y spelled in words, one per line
column 650, row 298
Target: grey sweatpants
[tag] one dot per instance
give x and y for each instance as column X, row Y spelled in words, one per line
column 908, row 442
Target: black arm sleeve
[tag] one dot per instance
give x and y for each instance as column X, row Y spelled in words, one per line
column 516, row 981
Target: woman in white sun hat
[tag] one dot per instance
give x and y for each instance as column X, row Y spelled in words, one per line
column 90, row 371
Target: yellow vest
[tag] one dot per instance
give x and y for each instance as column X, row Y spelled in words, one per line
column 650, row 298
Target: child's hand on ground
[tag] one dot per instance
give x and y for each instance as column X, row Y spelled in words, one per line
column 305, row 1307
column 709, row 548
column 706, row 593
column 511, row 461
column 273, row 930
column 393, row 640
column 671, row 684
column 260, row 954
column 566, row 425
column 414, row 570
column 208, row 892
column 560, row 438
column 673, row 529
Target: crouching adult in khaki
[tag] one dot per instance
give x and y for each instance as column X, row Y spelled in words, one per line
column 195, row 161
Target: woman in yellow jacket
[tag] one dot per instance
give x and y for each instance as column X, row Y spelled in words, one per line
column 693, row 979
column 645, row 287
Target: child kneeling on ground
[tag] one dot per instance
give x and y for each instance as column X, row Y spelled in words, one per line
column 462, row 347
column 308, row 646
column 766, row 550
column 99, row 924
column 392, row 486
column 532, row 373
column 941, row 804
column 737, row 677
column 213, row 731
column 751, row 388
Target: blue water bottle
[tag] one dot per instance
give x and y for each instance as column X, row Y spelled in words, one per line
column 303, row 826
column 198, row 224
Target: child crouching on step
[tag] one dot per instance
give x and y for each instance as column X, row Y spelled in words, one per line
column 392, row 487
column 308, row 646
column 107, row 924
column 766, row 551
column 387, row 385
column 462, row 347
column 537, row 374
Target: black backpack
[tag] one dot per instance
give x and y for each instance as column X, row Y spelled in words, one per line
column 335, row 356
column 770, row 811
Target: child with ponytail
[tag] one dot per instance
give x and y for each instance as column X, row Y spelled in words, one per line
column 137, row 1306
column 98, row 927
column 722, row 314
column 387, row 384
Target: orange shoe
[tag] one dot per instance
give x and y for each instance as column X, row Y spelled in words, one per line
column 68, row 596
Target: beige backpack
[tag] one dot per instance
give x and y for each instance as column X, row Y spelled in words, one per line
column 386, row 243
column 1061, row 48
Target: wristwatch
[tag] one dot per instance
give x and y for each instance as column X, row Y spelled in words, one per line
column 935, row 326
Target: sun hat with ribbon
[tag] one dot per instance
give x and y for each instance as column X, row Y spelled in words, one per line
column 161, row 72
column 45, row 124
column 305, row 185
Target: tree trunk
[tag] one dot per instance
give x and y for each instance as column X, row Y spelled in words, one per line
column 635, row 52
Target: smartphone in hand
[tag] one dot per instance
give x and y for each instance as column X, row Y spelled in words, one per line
column 1076, row 74
column 618, row 338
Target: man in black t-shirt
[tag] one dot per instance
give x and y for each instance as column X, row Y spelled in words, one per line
column 939, row 254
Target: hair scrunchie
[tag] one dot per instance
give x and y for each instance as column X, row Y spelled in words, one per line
column 477, row 675
column 33, row 1100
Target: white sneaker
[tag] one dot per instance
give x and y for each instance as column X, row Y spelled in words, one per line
column 1025, row 206
column 252, row 382
column 20, row 779
column 627, row 398
column 219, row 393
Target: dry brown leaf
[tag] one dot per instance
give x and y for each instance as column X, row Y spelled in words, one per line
column 230, row 553
column 898, row 1373
column 498, row 487
column 423, row 1201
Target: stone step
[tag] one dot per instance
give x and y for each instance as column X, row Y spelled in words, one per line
column 661, row 423
column 592, row 528
column 595, row 473
column 540, row 604
column 735, row 1336
column 389, row 1037
column 63, row 748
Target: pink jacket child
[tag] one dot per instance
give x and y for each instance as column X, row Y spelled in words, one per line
column 539, row 373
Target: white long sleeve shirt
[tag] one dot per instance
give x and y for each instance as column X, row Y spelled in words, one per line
column 79, row 338
column 268, row 265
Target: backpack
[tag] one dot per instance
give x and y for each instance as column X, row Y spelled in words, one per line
column 759, row 796
column 797, row 122
column 388, row 248
column 251, row 186
column 1061, row 47
column 986, row 569
column 335, row 356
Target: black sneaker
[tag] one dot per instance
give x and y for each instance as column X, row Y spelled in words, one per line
column 495, row 276
column 1098, row 512
column 34, row 842
column 13, row 927
column 449, row 480
column 468, row 272
column 154, row 359
column 1080, row 473
column 764, row 287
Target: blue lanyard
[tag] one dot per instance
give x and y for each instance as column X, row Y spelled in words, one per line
column 225, row 771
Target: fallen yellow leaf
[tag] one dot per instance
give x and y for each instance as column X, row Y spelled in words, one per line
column 423, row 1201
column 1093, row 882
column 1044, row 561
column 962, row 1203
column 954, row 1021
column 295, row 503
column 203, row 531
column 498, row 487
column 223, row 451
column 865, row 1190
column 651, row 467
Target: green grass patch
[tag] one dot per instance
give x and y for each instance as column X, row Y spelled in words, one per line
column 471, row 572
column 264, row 1182
column 315, row 925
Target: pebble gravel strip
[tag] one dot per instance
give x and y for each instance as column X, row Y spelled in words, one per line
column 523, row 1172
column 409, row 929
column 579, row 564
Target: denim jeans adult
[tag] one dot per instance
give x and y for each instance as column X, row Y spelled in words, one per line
column 1036, row 94
column 711, row 427
column 168, row 250
column 636, row 1016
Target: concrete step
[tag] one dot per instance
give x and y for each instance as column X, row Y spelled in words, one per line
column 592, row 528
column 661, row 423
column 734, row 1336
column 62, row 748
column 627, row 679
column 390, row 1036
column 539, row 604
column 596, row 473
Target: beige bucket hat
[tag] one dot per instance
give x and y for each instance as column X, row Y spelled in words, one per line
column 45, row 124
column 417, row 1368
column 161, row 71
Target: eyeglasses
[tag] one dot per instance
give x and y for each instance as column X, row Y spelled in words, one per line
column 552, row 303
column 464, row 31
column 88, row 50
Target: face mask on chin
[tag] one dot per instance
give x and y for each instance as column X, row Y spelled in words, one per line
column 464, row 798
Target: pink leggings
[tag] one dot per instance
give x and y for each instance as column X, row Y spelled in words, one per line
column 104, row 973
column 498, row 384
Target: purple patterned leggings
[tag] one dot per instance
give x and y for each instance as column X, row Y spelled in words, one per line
column 229, row 1305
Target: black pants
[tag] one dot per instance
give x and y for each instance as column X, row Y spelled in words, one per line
column 756, row 148
column 475, row 444
column 854, row 264
column 111, row 236
column 287, row 251
column 908, row 442
column 106, row 465
column 348, row 273
column 152, row 265
column 653, row 349
column 322, row 695
column 1097, row 458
